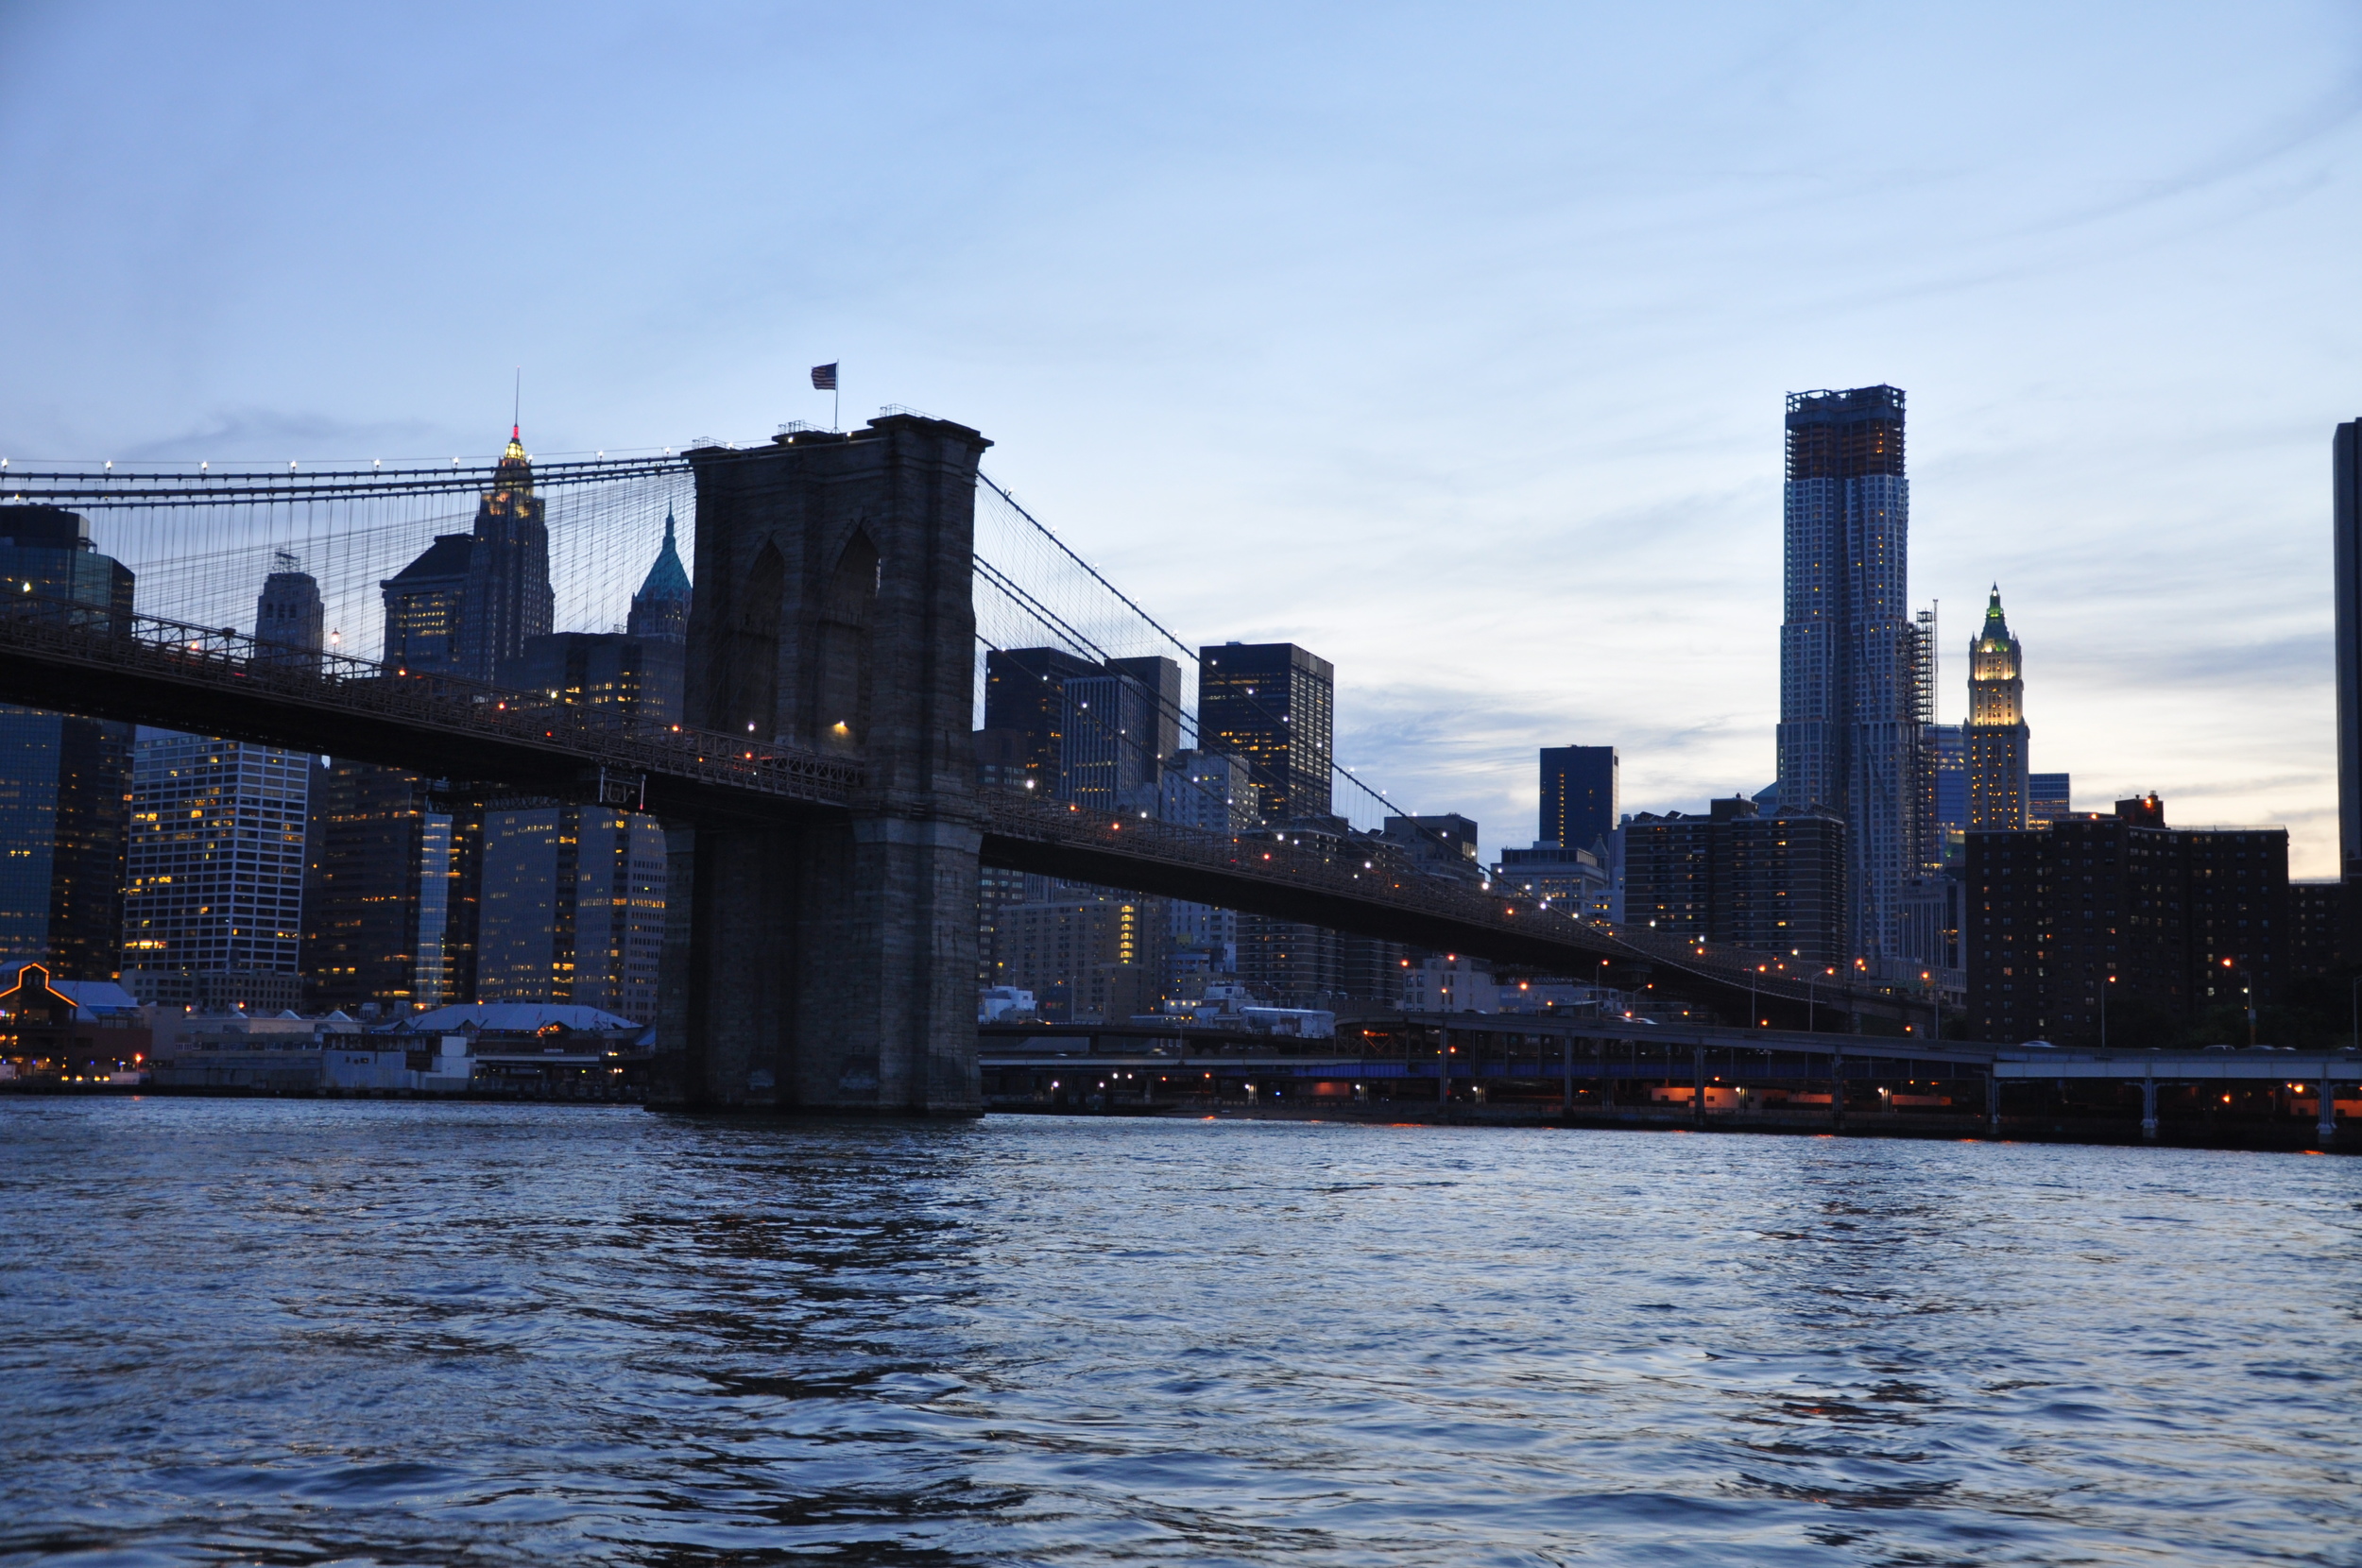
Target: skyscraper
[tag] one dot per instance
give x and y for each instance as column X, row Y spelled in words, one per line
column 1000, row 765
column 213, row 912
column 2049, row 797
column 1945, row 751
column 573, row 909
column 423, row 602
column 1926, row 748
column 288, row 618
column 660, row 610
column 1578, row 795
column 637, row 679
column 2346, row 587
column 1108, row 738
column 1273, row 706
column 507, row 600
column 470, row 601
column 1848, row 735
column 1209, row 790
column 1288, row 963
column 1932, row 900
column 571, row 898
column 637, row 673
column 1026, row 693
column 396, row 874
column 380, row 874
column 212, row 906
column 389, row 897
column 64, row 779
column 1444, row 845
column 1160, row 678
column 1998, row 787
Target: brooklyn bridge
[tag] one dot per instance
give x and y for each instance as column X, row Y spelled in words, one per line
column 824, row 816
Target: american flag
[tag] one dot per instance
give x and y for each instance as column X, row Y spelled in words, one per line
column 824, row 378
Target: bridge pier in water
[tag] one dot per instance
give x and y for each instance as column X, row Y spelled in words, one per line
column 828, row 965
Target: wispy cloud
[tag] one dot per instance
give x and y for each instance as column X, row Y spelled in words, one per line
column 247, row 432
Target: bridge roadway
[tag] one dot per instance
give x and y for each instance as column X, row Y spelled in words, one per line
column 143, row 669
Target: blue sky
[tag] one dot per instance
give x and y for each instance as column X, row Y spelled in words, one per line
column 1450, row 343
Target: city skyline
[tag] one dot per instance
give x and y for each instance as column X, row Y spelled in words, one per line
column 1590, row 484
column 1156, row 712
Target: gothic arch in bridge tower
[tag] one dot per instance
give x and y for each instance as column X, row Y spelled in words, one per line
column 841, row 709
column 746, row 675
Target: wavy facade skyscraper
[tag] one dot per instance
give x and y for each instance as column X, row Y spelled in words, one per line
column 1848, row 737
column 2345, row 592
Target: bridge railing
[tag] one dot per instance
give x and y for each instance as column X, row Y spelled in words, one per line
column 225, row 659
column 1343, row 873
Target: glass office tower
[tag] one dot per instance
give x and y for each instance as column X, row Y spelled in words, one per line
column 64, row 779
column 1579, row 803
column 1273, row 706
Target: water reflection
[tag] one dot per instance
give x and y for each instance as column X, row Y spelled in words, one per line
column 307, row 1333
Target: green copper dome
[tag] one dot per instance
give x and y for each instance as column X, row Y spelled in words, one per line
column 667, row 578
column 1997, row 630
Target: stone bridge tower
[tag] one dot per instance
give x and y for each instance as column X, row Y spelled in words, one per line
column 829, row 966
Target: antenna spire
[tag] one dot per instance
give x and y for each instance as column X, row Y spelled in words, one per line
column 517, row 405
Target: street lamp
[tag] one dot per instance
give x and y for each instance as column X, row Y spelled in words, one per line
column 2104, row 1011
column 2248, row 991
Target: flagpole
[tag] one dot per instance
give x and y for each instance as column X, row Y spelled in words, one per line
column 836, row 395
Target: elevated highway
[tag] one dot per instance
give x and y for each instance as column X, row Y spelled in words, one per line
column 1582, row 1062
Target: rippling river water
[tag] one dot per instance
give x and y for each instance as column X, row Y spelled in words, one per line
column 310, row 1332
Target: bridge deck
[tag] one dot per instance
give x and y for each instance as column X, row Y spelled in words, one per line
column 148, row 670
column 145, row 670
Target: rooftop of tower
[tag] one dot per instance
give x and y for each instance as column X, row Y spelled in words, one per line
column 446, row 557
column 1845, row 435
column 1996, row 628
column 1858, row 402
column 516, row 469
column 667, row 578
